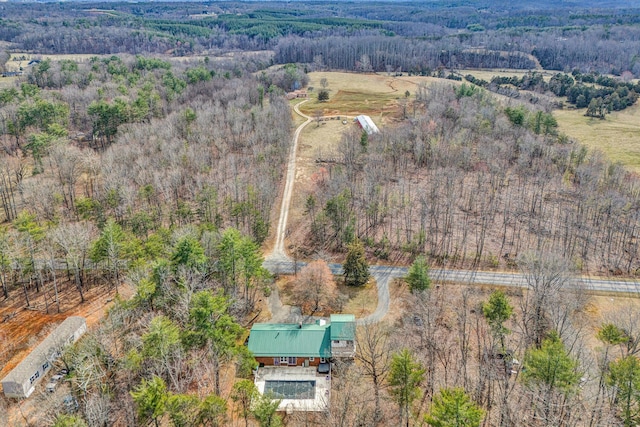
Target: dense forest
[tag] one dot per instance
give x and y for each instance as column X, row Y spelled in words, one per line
column 417, row 37
column 152, row 168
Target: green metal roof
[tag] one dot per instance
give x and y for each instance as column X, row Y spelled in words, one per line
column 278, row 339
column 343, row 327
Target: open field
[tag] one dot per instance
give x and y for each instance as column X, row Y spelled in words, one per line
column 316, row 142
column 490, row 73
column 20, row 60
column 6, row 82
column 617, row 136
column 377, row 95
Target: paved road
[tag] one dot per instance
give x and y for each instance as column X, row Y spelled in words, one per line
column 384, row 275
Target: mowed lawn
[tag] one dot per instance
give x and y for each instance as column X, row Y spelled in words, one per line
column 618, row 135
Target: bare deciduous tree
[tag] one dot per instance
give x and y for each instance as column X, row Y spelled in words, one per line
column 315, row 284
column 547, row 274
column 374, row 353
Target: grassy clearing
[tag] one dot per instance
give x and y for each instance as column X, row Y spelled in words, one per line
column 351, row 94
column 617, row 136
column 362, row 301
column 6, row 82
column 20, row 60
column 316, row 142
column 490, row 73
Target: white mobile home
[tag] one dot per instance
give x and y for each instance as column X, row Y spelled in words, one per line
column 22, row 380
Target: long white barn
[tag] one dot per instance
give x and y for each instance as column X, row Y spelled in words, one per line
column 367, row 124
column 22, row 380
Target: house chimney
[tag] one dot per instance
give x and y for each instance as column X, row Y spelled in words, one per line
column 299, row 325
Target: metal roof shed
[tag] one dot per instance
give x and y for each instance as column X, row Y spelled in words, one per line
column 21, row 381
column 367, row 124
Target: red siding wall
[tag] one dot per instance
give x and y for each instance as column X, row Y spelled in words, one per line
column 268, row 361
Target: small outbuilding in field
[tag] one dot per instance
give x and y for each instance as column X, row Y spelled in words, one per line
column 297, row 94
column 367, row 124
column 22, row 380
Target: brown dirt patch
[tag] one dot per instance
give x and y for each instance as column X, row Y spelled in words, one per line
column 22, row 329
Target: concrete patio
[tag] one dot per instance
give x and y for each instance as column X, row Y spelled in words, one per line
column 297, row 374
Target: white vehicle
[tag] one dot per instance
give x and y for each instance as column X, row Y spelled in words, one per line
column 51, row 387
column 56, row 378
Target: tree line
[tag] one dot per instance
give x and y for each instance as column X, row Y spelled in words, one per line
column 417, row 39
column 598, row 93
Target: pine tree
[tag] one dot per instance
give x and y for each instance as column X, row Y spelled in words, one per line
column 454, row 408
column 405, row 377
column 418, row 276
column 551, row 365
column 497, row 311
column 624, row 376
column 323, row 95
column 356, row 268
column 151, row 399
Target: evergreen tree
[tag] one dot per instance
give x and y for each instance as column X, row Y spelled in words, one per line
column 244, row 391
column 418, row 276
column 212, row 411
column 323, row 95
column 454, row 408
column 356, row 268
column 151, row 399
column 183, row 409
column 405, row 377
column 551, row 365
column 188, row 252
column 497, row 311
column 212, row 328
column 624, row 376
column 264, row 411
column 110, row 248
column 240, row 263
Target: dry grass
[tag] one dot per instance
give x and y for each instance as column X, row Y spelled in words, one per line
column 20, row 60
column 490, row 73
column 362, row 301
column 316, row 142
column 351, row 94
column 618, row 136
column 6, row 82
